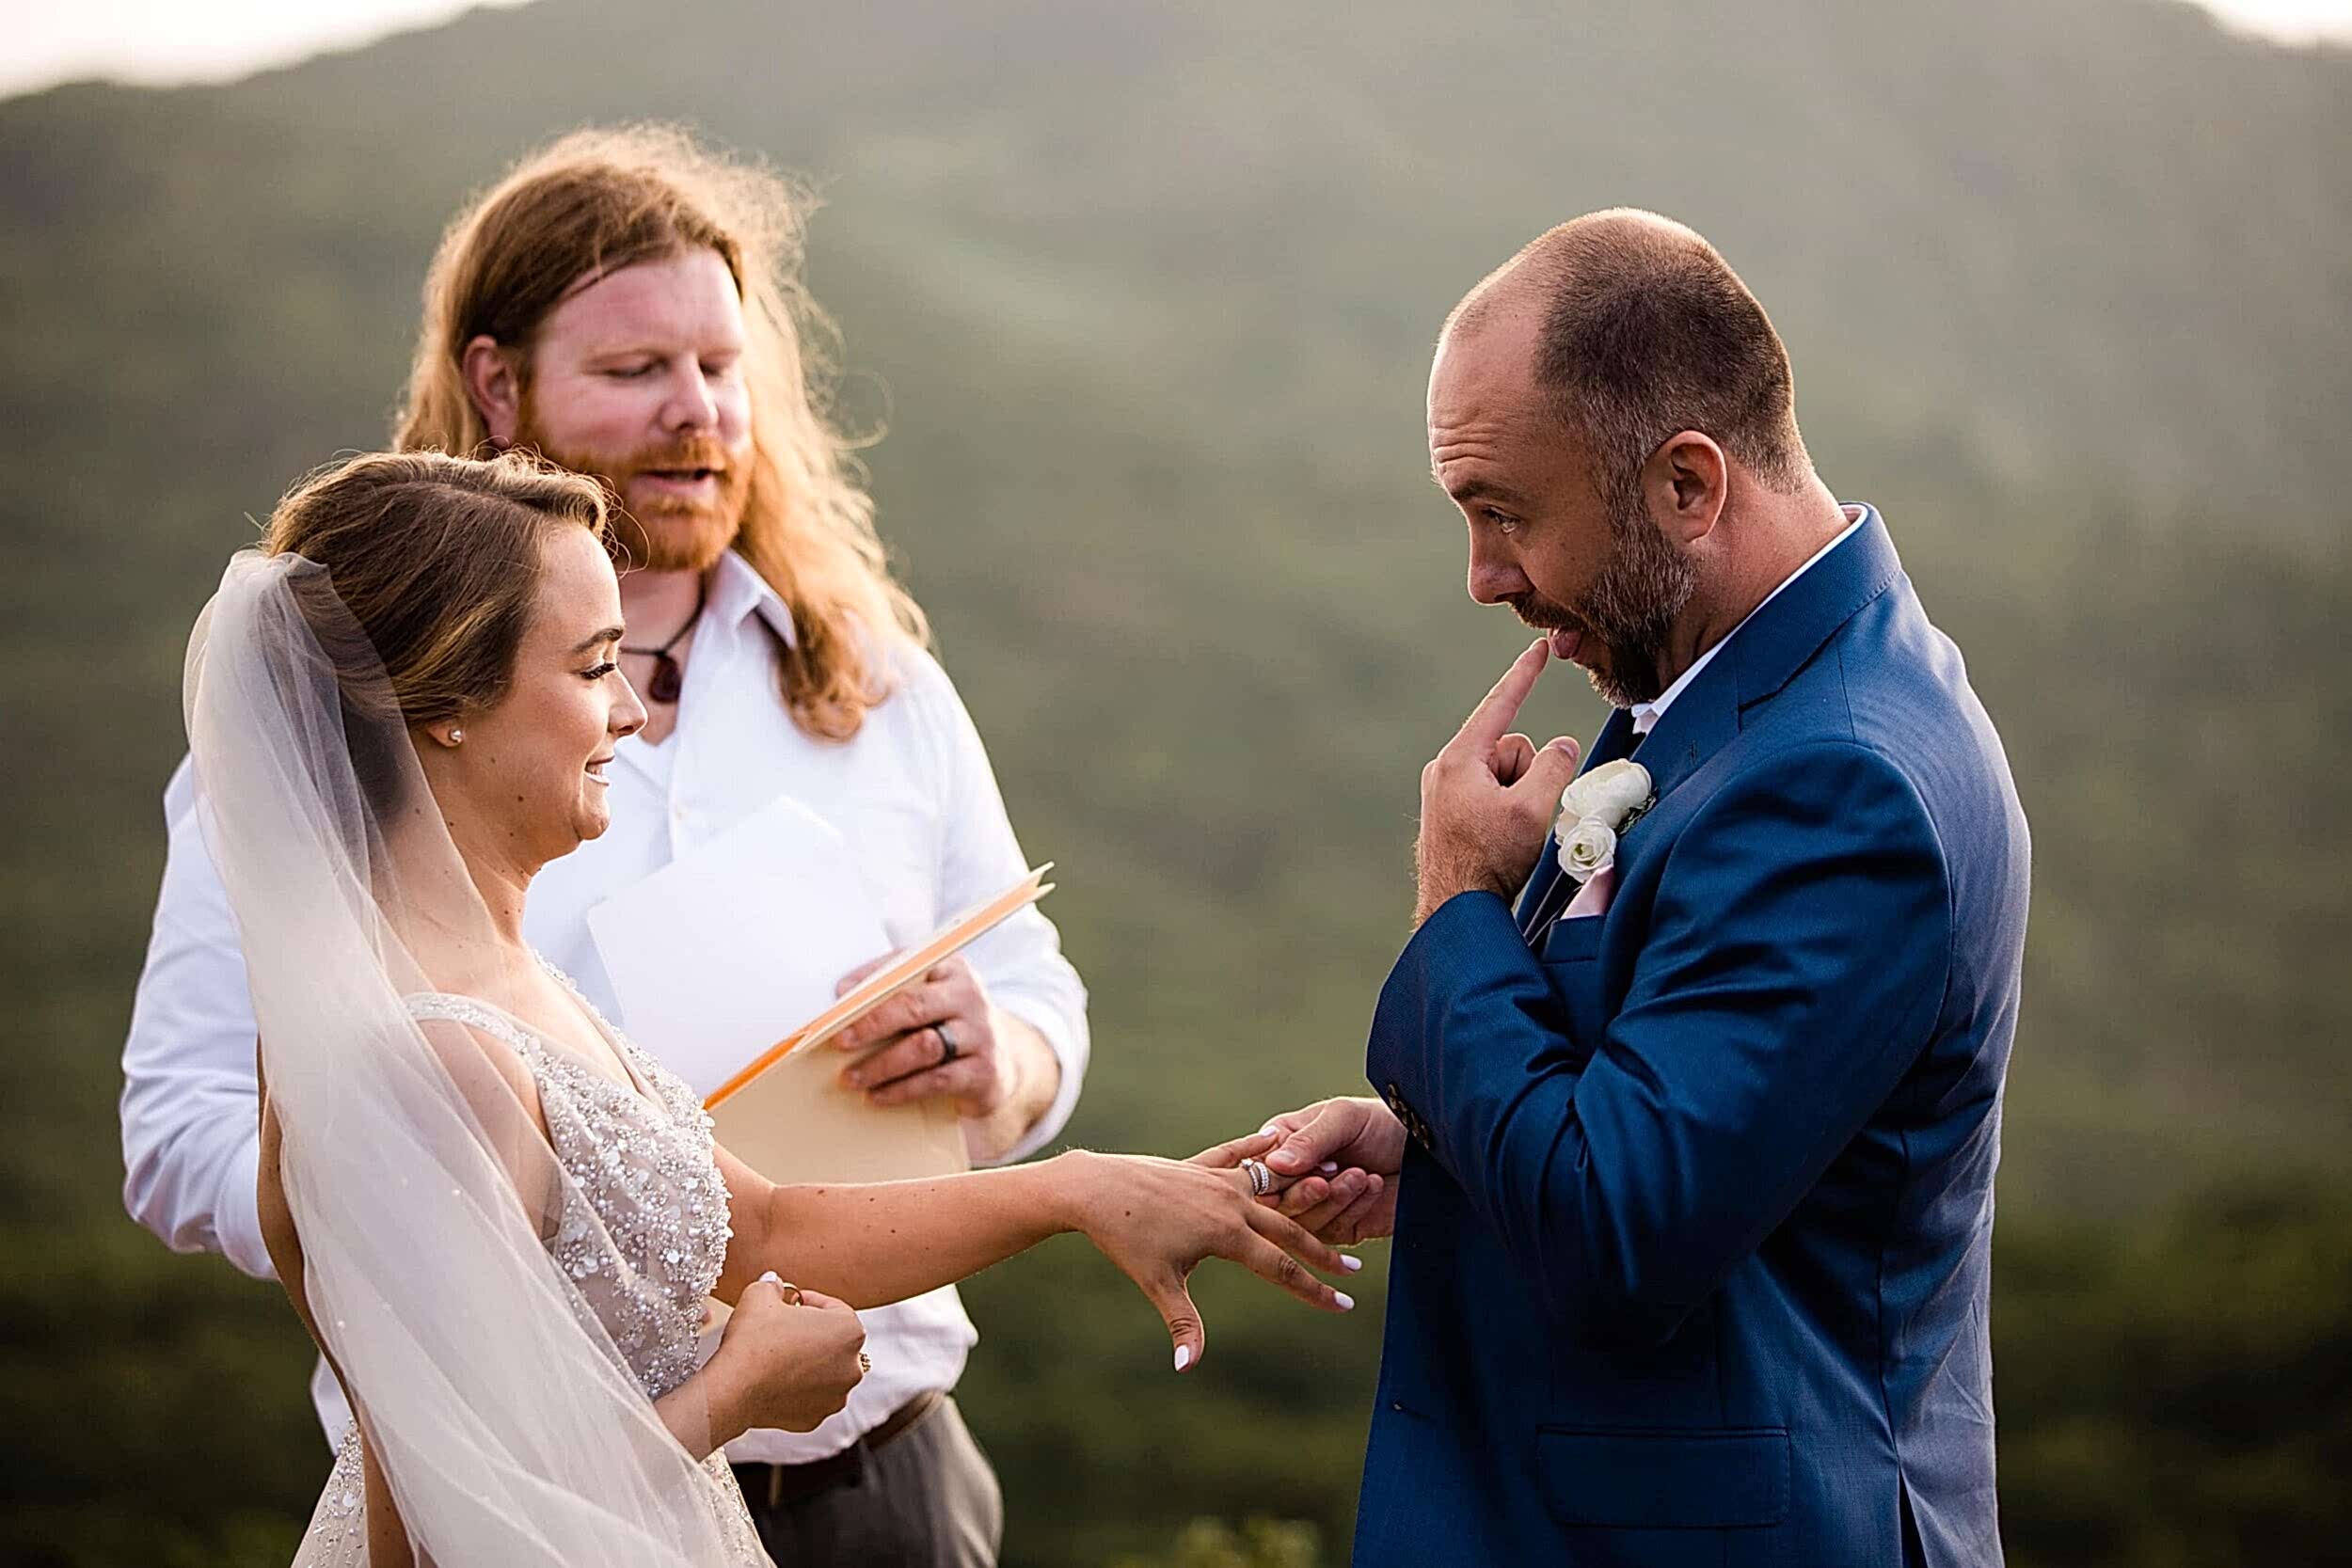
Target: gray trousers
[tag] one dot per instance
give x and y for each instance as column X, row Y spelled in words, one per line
column 928, row 1498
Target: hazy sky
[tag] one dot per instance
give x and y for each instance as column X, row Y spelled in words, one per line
column 189, row 41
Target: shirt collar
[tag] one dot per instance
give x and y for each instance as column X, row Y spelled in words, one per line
column 738, row 590
column 1646, row 715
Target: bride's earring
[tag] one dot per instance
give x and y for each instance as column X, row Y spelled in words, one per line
column 457, row 737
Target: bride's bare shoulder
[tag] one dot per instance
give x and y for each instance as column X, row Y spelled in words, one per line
column 483, row 1054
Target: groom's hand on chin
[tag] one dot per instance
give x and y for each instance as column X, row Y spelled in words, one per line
column 1488, row 797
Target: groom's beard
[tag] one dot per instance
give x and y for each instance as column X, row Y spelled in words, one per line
column 1629, row 609
column 655, row 532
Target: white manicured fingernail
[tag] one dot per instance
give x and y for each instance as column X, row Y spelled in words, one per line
column 1329, row 1165
column 1183, row 1356
column 1349, row 1261
column 1347, row 1303
column 772, row 1278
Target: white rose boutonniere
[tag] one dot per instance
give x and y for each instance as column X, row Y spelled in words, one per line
column 1595, row 810
column 1588, row 848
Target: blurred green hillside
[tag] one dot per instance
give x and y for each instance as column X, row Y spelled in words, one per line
column 1143, row 295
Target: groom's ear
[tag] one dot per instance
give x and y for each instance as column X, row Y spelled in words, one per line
column 1684, row 486
column 494, row 382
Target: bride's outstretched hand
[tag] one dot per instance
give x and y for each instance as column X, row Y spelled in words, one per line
column 1157, row 1219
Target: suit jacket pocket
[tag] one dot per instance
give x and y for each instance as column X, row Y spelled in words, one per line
column 1690, row 1480
column 1571, row 941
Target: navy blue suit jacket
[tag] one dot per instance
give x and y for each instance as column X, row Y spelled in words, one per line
column 1692, row 1235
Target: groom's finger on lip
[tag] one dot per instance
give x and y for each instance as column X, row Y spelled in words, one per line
column 1491, row 718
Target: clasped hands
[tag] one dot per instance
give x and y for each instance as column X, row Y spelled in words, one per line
column 1334, row 1164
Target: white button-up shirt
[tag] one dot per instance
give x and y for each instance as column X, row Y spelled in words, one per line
column 913, row 793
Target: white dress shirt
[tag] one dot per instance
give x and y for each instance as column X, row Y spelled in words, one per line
column 1646, row 715
column 913, row 792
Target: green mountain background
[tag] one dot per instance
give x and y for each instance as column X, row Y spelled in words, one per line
column 1141, row 298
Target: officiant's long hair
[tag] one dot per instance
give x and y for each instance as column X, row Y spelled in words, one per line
column 597, row 200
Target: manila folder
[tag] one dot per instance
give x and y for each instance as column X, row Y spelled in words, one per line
column 733, row 945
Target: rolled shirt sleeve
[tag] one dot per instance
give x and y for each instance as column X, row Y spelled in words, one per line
column 1020, row 961
column 191, row 1107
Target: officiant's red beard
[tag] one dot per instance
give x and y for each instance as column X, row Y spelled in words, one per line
column 681, row 502
column 1621, row 622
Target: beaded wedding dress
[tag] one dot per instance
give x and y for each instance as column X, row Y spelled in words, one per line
column 642, row 1235
column 504, row 1300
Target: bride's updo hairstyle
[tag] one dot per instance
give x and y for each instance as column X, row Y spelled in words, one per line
column 430, row 568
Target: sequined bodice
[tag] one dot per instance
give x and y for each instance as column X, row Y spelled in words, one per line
column 643, row 1227
column 639, row 1230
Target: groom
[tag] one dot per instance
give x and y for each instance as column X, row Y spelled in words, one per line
column 1689, row 1166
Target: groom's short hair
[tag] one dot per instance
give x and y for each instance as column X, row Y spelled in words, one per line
column 1646, row 331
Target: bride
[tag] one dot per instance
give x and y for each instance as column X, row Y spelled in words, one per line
column 501, row 1221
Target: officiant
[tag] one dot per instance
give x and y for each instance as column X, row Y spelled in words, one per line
column 626, row 303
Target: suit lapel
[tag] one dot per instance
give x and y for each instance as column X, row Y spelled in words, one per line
column 1547, row 889
column 1766, row 653
column 1767, row 650
column 1782, row 638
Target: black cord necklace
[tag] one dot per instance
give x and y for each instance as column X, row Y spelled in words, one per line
column 667, row 679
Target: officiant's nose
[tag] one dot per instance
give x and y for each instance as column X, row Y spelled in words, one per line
column 692, row 404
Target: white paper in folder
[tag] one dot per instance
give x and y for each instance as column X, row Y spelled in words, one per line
column 733, row 946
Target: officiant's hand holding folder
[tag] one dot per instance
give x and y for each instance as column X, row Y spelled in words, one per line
column 725, row 963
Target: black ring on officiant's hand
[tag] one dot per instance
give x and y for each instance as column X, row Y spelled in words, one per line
column 947, row 1051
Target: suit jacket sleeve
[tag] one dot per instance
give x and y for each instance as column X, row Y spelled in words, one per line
column 1791, row 971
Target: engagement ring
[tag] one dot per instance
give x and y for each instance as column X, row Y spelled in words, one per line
column 1261, row 1177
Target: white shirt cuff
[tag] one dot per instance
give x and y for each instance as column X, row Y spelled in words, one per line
column 1071, row 1054
column 237, row 1213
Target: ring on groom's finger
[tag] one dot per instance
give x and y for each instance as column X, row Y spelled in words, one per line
column 947, row 1049
column 865, row 1363
column 1261, row 1177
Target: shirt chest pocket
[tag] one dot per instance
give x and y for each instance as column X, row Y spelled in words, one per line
column 1571, row 956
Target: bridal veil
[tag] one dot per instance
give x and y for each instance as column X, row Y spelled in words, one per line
column 509, row 1428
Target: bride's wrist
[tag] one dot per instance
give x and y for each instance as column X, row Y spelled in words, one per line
column 724, row 1397
column 702, row 1412
column 1076, row 1185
